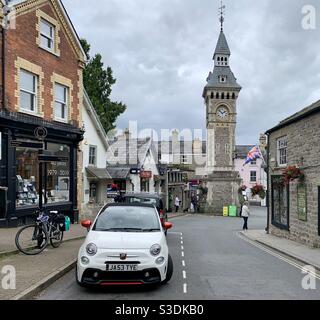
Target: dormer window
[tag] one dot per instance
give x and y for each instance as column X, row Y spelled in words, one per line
column 222, row 79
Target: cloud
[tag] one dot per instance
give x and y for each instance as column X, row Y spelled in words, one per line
column 161, row 53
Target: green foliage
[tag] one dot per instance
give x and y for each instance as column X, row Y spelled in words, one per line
column 98, row 83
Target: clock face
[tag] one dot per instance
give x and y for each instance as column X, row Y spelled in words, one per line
column 222, row 113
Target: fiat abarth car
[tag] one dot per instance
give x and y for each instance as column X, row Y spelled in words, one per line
column 125, row 245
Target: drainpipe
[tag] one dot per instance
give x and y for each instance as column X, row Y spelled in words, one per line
column 6, row 11
column 268, row 184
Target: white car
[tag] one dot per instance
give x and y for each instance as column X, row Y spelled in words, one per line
column 126, row 245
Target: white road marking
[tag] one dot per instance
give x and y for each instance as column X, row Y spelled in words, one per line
column 185, row 290
column 183, row 263
column 184, row 274
column 182, row 254
column 276, row 255
column 182, row 248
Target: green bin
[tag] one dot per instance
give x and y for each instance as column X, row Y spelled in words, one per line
column 232, row 211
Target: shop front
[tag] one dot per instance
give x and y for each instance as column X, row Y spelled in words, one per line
column 48, row 181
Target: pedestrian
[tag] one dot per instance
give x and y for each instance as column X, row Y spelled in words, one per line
column 194, row 203
column 245, row 214
column 177, row 203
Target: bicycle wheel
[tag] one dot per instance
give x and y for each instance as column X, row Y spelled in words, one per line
column 32, row 239
column 56, row 235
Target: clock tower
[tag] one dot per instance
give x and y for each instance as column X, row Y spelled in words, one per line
column 220, row 94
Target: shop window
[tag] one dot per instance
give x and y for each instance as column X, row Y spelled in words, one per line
column 61, row 102
column 47, row 34
column 28, row 91
column 58, row 175
column 27, row 182
column 92, row 155
column 280, row 203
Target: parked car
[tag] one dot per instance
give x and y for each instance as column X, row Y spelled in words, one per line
column 125, row 245
column 148, row 198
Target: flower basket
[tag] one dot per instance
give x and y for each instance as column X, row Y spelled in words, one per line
column 292, row 173
column 258, row 190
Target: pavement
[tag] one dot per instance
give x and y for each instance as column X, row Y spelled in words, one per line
column 35, row 273
column 304, row 254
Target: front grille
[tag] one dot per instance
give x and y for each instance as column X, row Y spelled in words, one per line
column 138, row 276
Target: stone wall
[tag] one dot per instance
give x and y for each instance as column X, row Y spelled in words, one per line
column 303, row 150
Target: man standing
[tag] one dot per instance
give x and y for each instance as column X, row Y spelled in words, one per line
column 177, row 203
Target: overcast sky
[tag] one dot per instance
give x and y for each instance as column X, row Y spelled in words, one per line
column 161, row 53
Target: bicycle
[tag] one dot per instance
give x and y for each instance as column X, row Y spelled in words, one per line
column 34, row 238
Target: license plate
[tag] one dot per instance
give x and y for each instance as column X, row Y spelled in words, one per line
column 122, row 267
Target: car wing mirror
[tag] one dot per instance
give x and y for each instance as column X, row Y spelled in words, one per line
column 86, row 224
column 168, row 225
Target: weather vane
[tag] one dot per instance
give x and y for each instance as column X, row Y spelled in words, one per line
column 221, row 13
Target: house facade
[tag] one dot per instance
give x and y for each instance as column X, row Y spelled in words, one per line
column 294, row 211
column 40, row 112
column 133, row 164
column 96, row 179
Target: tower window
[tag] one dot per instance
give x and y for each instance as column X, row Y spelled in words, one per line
column 225, row 59
column 222, row 95
column 219, row 59
column 228, row 95
column 217, row 95
column 212, row 95
column 233, row 96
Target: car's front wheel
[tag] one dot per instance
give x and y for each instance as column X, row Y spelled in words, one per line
column 169, row 270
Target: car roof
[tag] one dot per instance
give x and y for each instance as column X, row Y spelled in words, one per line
column 142, row 195
column 123, row 204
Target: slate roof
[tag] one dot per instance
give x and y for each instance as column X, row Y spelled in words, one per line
column 213, row 78
column 222, row 45
column 313, row 108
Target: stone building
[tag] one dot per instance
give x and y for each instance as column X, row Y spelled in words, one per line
column 294, row 210
column 41, row 89
column 220, row 95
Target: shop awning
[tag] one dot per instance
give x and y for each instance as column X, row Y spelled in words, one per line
column 118, row 173
column 101, row 174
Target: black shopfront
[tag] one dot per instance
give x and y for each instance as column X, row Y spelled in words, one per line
column 24, row 183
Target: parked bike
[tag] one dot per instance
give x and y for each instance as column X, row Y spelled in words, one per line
column 34, row 238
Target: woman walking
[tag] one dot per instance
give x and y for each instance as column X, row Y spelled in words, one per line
column 245, row 214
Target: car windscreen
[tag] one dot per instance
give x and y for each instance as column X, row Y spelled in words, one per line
column 142, row 200
column 128, row 219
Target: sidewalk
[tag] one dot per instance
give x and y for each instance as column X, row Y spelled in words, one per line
column 300, row 252
column 35, row 273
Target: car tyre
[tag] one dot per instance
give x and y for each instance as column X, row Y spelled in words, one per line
column 169, row 270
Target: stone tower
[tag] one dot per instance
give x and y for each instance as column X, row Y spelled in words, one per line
column 220, row 95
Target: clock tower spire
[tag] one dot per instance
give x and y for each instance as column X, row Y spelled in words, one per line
column 220, row 94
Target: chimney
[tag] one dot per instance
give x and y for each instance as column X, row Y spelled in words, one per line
column 263, row 141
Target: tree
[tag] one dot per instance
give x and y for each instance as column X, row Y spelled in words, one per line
column 98, row 82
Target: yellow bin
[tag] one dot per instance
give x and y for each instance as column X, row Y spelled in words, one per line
column 225, row 211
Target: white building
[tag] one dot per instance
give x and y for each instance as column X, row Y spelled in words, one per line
column 94, row 149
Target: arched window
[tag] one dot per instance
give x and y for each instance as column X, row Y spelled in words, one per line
column 228, row 95
column 218, row 59
column 233, row 96
column 212, row 95
column 222, row 95
column 217, row 95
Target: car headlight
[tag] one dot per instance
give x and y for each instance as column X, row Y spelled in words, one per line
column 155, row 249
column 91, row 249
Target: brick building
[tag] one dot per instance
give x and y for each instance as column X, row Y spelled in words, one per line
column 41, row 88
column 294, row 210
